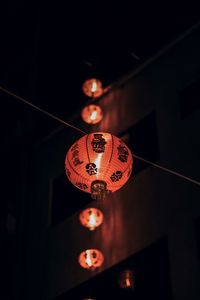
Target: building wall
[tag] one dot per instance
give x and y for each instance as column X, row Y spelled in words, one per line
column 152, row 204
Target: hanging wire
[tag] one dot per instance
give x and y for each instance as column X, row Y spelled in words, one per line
column 167, row 170
column 78, row 129
column 41, row 110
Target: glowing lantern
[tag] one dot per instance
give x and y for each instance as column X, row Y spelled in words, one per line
column 91, row 218
column 98, row 163
column 92, row 88
column 126, row 280
column 92, row 114
column 91, row 259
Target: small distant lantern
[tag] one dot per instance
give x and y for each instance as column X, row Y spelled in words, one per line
column 91, row 218
column 91, row 259
column 126, row 280
column 92, row 88
column 92, row 114
column 98, row 163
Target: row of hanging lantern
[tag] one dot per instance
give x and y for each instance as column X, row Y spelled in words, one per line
column 98, row 163
column 92, row 217
column 92, row 113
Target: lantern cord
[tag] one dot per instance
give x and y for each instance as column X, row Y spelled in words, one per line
column 78, row 129
column 167, row 170
column 41, row 110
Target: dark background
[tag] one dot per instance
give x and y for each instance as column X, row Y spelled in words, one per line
column 47, row 51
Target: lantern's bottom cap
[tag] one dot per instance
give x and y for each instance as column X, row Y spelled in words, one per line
column 99, row 190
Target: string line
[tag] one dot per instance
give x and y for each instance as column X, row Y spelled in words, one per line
column 78, row 129
column 167, row 170
column 41, row 110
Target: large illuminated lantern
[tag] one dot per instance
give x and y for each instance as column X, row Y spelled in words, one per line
column 99, row 163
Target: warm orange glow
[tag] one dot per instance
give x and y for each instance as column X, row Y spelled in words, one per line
column 98, row 160
column 126, row 280
column 88, row 259
column 92, row 114
column 92, row 88
column 91, row 259
column 98, row 163
column 91, row 218
column 92, row 221
column 128, row 283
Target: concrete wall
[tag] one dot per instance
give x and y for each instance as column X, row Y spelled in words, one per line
column 150, row 205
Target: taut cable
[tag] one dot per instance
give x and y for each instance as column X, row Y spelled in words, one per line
column 167, row 170
column 78, row 129
column 41, row 110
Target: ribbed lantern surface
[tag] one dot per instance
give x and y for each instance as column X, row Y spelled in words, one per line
column 98, row 163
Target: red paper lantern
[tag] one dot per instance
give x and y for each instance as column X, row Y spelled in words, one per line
column 91, row 259
column 91, row 218
column 92, row 114
column 126, row 280
column 92, row 88
column 98, row 163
